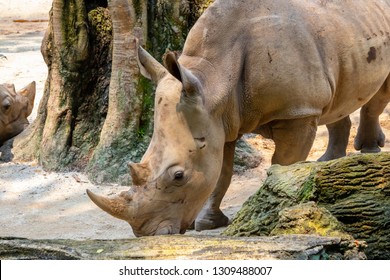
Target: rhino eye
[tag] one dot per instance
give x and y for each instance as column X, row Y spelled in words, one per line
column 179, row 175
column 176, row 177
column 6, row 105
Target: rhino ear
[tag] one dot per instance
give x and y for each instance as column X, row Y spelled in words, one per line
column 149, row 67
column 171, row 63
column 29, row 92
column 10, row 87
column 191, row 84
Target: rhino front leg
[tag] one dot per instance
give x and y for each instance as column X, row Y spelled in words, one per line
column 211, row 215
column 293, row 139
column 370, row 136
column 338, row 139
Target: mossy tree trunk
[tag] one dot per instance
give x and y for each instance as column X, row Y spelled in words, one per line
column 120, row 137
column 76, row 49
column 96, row 111
column 348, row 196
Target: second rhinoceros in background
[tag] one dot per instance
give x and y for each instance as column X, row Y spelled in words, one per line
column 15, row 107
column 274, row 67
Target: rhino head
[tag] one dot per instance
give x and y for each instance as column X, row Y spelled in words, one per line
column 183, row 161
column 15, row 107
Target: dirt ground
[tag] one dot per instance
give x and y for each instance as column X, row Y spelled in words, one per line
column 39, row 204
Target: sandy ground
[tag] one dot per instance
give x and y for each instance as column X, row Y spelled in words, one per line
column 39, row 204
column 24, row 9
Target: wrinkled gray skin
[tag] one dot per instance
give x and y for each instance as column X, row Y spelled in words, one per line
column 274, row 67
column 15, row 107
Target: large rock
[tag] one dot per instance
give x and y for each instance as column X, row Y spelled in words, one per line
column 245, row 156
column 348, row 198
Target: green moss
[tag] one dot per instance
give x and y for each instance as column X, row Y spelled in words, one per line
column 169, row 24
column 74, row 35
column 146, row 89
column 203, row 4
column 308, row 188
column 109, row 164
column 137, row 8
column 308, row 218
column 100, row 20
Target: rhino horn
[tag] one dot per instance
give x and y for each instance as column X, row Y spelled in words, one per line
column 118, row 206
column 139, row 173
column 150, row 68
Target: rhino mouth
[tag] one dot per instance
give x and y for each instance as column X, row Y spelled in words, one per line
column 13, row 128
column 165, row 231
column 170, row 231
column 165, row 228
column 20, row 121
column 162, row 229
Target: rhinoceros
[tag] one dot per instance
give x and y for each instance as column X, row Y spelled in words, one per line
column 274, row 67
column 15, row 107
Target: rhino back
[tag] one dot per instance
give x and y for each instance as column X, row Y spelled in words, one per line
column 277, row 59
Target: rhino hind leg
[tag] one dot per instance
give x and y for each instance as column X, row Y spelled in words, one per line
column 293, row 139
column 211, row 215
column 338, row 139
column 370, row 136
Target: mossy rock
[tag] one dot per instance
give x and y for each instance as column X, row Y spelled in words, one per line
column 286, row 247
column 344, row 197
column 245, row 157
column 309, row 218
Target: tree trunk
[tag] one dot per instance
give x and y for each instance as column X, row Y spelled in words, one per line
column 76, row 49
column 120, row 133
column 96, row 111
column 187, row 247
column 350, row 195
